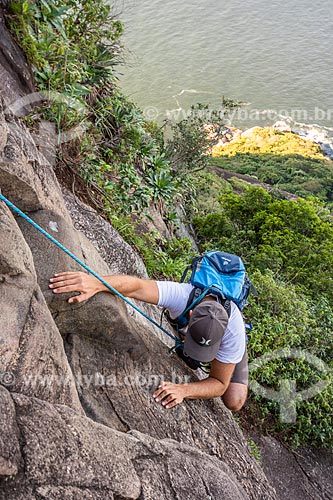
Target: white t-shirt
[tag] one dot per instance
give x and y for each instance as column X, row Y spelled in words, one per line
column 174, row 296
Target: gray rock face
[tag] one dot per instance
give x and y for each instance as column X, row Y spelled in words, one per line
column 118, row 255
column 70, row 456
column 306, row 473
column 15, row 75
column 25, row 175
column 10, row 454
column 31, row 349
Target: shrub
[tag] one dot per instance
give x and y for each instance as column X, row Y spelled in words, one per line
column 287, row 247
column 283, row 160
column 284, row 318
column 193, row 137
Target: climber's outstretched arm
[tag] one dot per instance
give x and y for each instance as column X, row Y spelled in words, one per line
column 87, row 286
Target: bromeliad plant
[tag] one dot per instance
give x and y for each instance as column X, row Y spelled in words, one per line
column 67, row 42
column 73, row 48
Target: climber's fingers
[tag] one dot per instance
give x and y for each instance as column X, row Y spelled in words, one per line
column 58, row 287
column 66, row 288
column 68, row 282
column 160, row 392
column 68, row 275
column 171, row 401
column 169, row 394
column 79, row 298
column 163, row 390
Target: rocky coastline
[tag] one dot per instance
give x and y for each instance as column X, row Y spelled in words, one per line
column 307, row 132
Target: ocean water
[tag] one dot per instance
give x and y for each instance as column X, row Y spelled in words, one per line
column 274, row 56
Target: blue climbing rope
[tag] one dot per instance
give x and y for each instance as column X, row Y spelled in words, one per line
column 87, row 268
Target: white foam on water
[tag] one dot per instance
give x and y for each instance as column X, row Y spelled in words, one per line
column 192, row 91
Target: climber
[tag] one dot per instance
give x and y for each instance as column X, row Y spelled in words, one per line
column 211, row 335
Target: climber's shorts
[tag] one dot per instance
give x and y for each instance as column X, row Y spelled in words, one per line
column 241, row 372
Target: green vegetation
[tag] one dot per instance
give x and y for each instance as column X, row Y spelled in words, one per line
column 193, row 138
column 73, row 48
column 126, row 166
column 288, row 319
column 254, row 450
column 287, row 246
column 164, row 259
column 69, row 45
column 292, row 239
column 283, row 160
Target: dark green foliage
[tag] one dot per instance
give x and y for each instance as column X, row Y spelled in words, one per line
column 292, row 238
column 68, row 42
column 193, row 137
column 164, row 259
column 301, row 176
column 284, row 318
column 73, row 47
column 288, row 249
column 285, row 161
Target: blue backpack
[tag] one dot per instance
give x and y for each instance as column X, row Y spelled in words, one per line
column 218, row 273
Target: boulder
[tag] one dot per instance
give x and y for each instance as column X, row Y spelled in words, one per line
column 3, row 130
column 10, row 454
column 250, row 131
column 49, row 259
column 317, row 466
column 154, row 224
column 281, row 126
column 26, row 177
column 32, row 357
column 116, row 382
column 15, row 75
column 185, row 229
column 69, row 456
column 305, row 473
column 17, row 281
column 118, row 255
column 327, row 150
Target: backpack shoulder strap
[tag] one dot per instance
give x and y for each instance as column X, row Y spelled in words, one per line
column 192, row 267
column 195, row 297
column 227, row 306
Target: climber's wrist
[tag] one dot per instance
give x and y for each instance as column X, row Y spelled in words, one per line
column 100, row 287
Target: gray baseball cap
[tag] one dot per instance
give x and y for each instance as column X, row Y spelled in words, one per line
column 206, row 328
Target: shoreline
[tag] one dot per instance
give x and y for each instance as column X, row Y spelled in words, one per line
column 311, row 133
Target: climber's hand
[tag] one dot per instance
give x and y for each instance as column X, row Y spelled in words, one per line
column 80, row 282
column 170, row 394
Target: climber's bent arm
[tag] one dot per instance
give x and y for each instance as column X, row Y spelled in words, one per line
column 170, row 394
column 215, row 385
column 87, row 285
